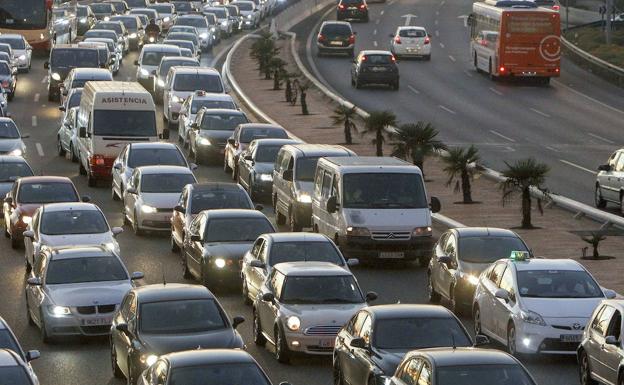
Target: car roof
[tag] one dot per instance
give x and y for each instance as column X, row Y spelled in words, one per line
column 307, row 149
column 375, row 52
column 195, row 70
column 234, row 213
column 208, row 356
column 163, row 169
column 171, row 291
column 69, row 252
column 311, row 269
column 402, row 27
column 9, row 358
column 367, row 161
column 178, row 58
column 465, row 356
column 164, row 145
column 336, row 22
column 12, row 159
column 216, row 186
column 65, row 206
column 43, row 179
column 274, row 141
column 465, row 232
column 159, row 47
column 91, row 71
column 547, row 264
column 296, row 237
column 393, row 311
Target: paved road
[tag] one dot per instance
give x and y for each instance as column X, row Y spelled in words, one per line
column 573, row 125
column 87, row 361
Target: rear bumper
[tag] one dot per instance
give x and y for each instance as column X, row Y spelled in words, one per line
column 520, row 72
column 378, row 78
column 333, row 48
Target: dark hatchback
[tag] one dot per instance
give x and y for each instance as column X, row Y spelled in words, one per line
column 375, row 67
column 352, row 10
column 63, row 58
column 335, row 37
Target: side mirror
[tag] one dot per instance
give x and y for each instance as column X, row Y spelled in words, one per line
column 8, row 200
column 32, row 355
column 196, row 238
column 116, row 231
column 611, row 340
column 195, row 126
column 288, row 175
column 62, row 108
column 259, row 207
column 46, row 65
column 131, row 190
column 82, row 132
column 123, row 328
column 34, row 281
column 481, row 340
column 435, row 205
column 85, row 198
column 332, row 205
column 237, row 321
column 137, row 275
column 179, row 209
column 604, row 167
column 358, row 343
column 25, row 136
column 353, row 262
column 29, row 234
column 231, row 141
column 117, row 166
column 502, row 294
column 193, row 166
column 248, row 157
column 136, row 62
column 445, row 260
column 610, row 294
column 257, row 263
column 154, row 72
column 371, row 296
column 268, row 297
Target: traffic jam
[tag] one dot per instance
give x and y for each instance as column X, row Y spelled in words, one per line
column 289, row 234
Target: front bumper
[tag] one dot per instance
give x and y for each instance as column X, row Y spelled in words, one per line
column 313, row 345
column 158, row 221
column 211, row 151
column 22, row 63
column 352, row 14
column 557, row 337
column 366, row 248
column 78, row 324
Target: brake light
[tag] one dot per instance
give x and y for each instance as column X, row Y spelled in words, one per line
column 96, row 160
column 352, row 39
column 556, row 7
column 397, row 40
column 341, row 6
column 362, row 6
column 48, row 4
column 393, row 59
column 321, row 37
column 557, row 70
column 427, row 40
column 5, row 83
column 501, row 69
column 363, row 58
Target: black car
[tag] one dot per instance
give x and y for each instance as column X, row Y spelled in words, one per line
column 375, row 67
column 12, row 168
column 335, row 37
column 210, row 132
column 159, row 319
column 86, row 19
column 374, row 341
column 352, row 10
column 8, row 79
column 63, row 58
column 121, row 7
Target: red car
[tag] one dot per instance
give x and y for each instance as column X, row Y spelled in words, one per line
column 30, row 193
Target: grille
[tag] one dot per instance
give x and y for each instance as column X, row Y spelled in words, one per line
column 319, row 349
column 106, row 308
column 86, row 309
column 92, row 309
column 327, row 330
column 391, row 235
column 562, row 327
column 166, row 210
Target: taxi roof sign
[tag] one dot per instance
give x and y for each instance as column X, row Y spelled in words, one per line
column 519, row 255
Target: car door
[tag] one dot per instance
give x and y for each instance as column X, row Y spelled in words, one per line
column 131, row 199
column 178, row 218
column 32, row 245
column 245, row 165
column 119, row 168
column 258, row 275
column 193, row 249
column 597, row 333
column 606, row 178
column 66, row 129
column 611, row 355
column 268, row 310
column 120, row 341
column 446, row 273
column 486, row 302
column 34, row 293
column 501, row 308
column 362, row 362
column 617, row 179
column 436, row 266
column 285, row 185
column 342, row 349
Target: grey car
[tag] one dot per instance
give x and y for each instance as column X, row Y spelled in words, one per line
column 8, row 78
column 210, row 132
column 11, row 142
column 610, row 181
column 601, row 354
column 14, row 370
column 11, row 169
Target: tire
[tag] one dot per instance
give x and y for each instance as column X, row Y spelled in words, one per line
column 235, row 173
column 395, row 85
column 585, row 370
column 282, row 353
column 72, row 153
column 11, row 96
column 43, row 332
column 292, row 222
column 15, row 244
column 51, row 97
column 187, row 273
column 117, row 373
column 490, row 73
column 258, row 337
column 476, row 316
column 356, row 84
column 454, row 304
column 59, row 147
column 130, row 380
column 599, row 201
column 351, row 53
column 432, row 295
column 279, row 218
column 245, row 291
column 476, row 66
column 427, row 57
column 622, row 202
column 250, row 190
column 174, row 246
column 81, row 169
column 31, row 322
column 511, row 340
column 114, row 195
column 205, row 279
column 337, row 375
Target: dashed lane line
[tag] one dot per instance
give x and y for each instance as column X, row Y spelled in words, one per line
column 437, row 33
column 497, row 92
column 381, row 13
column 375, row 43
column 37, row 96
column 447, row 109
column 34, row 120
column 577, row 166
column 452, row 58
column 502, row 136
column 540, row 112
column 375, row 32
column 39, row 149
column 441, row 45
column 601, row 138
column 414, row 90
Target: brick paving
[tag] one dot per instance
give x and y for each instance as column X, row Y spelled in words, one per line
column 554, row 238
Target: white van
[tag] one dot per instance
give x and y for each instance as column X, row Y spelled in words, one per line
column 373, row 208
column 111, row 115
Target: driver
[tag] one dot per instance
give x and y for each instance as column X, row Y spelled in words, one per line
column 152, row 28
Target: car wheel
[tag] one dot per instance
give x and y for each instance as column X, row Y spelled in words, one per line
column 337, row 375
column 15, row 243
column 187, row 273
column 585, row 371
column 599, row 201
column 51, row 97
column 292, row 222
column 235, row 173
column 174, row 245
column 395, row 85
column 245, row 291
column 59, row 147
column 282, row 354
column 135, row 225
column 126, row 220
column 428, row 57
column 250, row 190
column 81, row 169
column 356, row 84
column 91, row 181
column 258, row 337
column 476, row 316
column 622, row 202
column 31, row 322
column 205, row 277
column 117, row 373
column 511, row 339
column 279, row 218
column 433, row 296
column 490, row 73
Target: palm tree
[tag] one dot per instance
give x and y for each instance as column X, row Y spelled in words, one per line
column 520, row 176
column 263, row 50
column 458, row 166
column 377, row 123
column 417, row 141
column 304, row 86
column 345, row 116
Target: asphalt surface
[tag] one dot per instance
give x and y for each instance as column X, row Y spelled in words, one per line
column 573, row 125
column 86, row 361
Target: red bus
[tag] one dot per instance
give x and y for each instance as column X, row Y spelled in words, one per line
column 515, row 39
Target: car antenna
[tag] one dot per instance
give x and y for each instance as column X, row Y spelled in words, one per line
column 453, row 339
column 162, row 266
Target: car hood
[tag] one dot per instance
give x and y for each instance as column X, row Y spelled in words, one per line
column 161, row 200
column 305, row 186
column 264, row 168
column 228, row 250
column 76, row 239
column 7, row 145
column 473, row 268
column 561, row 307
column 221, row 136
column 218, row 339
column 389, row 219
column 89, row 293
column 323, row 314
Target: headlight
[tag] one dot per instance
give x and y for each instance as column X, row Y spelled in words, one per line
column 176, row 99
column 22, row 57
column 532, row 317
column 166, row 19
column 224, row 23
column 304, row 198
column 219, row 263
column 266, row 177
column 110, row 246
column 83, row 20
column 358, row 231
column 16, row 152
column 59, row 310
column 204, row 141
column 204, row 36
column 161, row 83
column 148, row 209
column 144, row 72
column 26, row 219
column 249, row 16
column 385, row 380
column 473, row 280
column 152, row 39
column 56, row 76
column 213, row 29
column 293, row 323
column 421, row 231
column 106, row 18
column 149, row 360
column 133, row 36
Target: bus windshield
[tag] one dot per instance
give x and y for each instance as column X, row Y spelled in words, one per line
column 124, row 123
column 23, row 14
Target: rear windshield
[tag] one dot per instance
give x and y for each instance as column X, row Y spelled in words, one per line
column 14, row 42
column 220, row 13
column 101, row 8
column 336, row 29
column 124, row 123
column 192, row 82
column 244, row 6
column 412, row 33
column 155, row 156
column 226, row 122
column 252, row 133
column 129, row 22
column 351, row 1
column 164, row 66
column 378, row 59
column 72, row 58
column 192, row 21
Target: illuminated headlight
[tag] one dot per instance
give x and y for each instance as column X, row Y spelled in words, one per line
column 358, row 231
column 22, row 57
column 59, row 310
column 385, row 380
column 204, row 142
column 532, row 317
column 83, row 20
column 176, row 99
column 65, row 22
column 470, row 278
column 213, row 29
column 149, row 360
column 224, row 23
column 152, row 39
column 203, row 36
column 148, row 209
column 421, row 231
column 26, row 219
column 304, row 198
column 16, row 152
column 160, row 83
column 266, row 177
column 166, row 19
column 111, row 246
column 293, row 323
column 56, row 76
column 144, row 72
column 219, row 263
column 106, row 18
column 133, row 35
column 249, row 16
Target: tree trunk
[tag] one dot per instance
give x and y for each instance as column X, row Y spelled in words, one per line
column 526, row 208
column 276, row 80
column 465, row 185
column 288, row 92
column 347, row 131
column 420, row 162
column 596, row 254
column 379, row 141
column 304, row 104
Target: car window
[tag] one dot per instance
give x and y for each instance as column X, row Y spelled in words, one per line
column 125, row 307
column 357, row 325
column 615, row 326
column 255, row 251
column 496, row 272
column 326, row 184
column 412, row 33
column 366, row 330
column 378, row 59
column 450, row 248
column 620, row 164
column 277, row 283
column 614, row 158
column 334, row 188
column 601, row 323
column 425, row 375
column 285, row 161
column 411, row 371
column 506, row 283
column 336, row 29
column 39, row 267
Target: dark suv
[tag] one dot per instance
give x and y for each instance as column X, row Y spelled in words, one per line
column 63, row 58
column 352, row 10
column 335, row 36
column 375, row 67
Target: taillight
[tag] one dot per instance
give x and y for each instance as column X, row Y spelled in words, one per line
column 501, row 69
column 397, row 40
column 321, row 37
column 97, row 160
column 557, row 70
column 352, row 39
column 341, row 6
column 556, row 7
column 5, row 83
column 427, row 40
column 393, row 58
column 362, row 6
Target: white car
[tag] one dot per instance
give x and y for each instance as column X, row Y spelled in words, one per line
column 223, row 18
column 149, row 60
column 11, row 142
column 194, row 103
column 66, row 224
column 182, row 82
column 536, row 305
column 411, row 41
column 249, row 12
column 22, row 51
column 67, row 137
column 201, row 25
column 302, row 306
column 75, row 290
column 151, row 195
column 144, row 154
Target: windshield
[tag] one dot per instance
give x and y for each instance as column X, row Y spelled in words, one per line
column 306, row 168
column 192, row 82
column 419, row 333
column 181, row 43
column 557, row 284
column 219, row 374
column 267, row 154
column 224, row 104
column 155, row 156
column 79, row 83
column 10, row 171
column 488, row 249
column 384, row 191
column 184, row 7
column 219, row 199
column 4, row 68
column 321, row 289
column 47, row 192
column 102, row 33
column 237, row 229
column 152, row 58
column 15, row 375
column 294, row 251
column 7, row 341
column 210, row 18
column 166, row 65
column 101, row 8
column 483, row 375
column 185, row 36
column 129, row 22
column 14, row 42
column 124, row 123
column 184, row 316
column 244, row 6
column 8, row 130
column 150, row 13
column 120, row 7
column 336, row 30
column 412, row 33
column 218, row 12
column 136, row 3
column 88, row 269
column 117, row 28
column 73, row 222
column 232, row 9
column 250, row 133
column 82, row 11
column 224, row 122
column 74, row 58
column 165, row 183
column 23, row 14
column 193, row 22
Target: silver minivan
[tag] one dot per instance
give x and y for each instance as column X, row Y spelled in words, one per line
column 293, row 181
column 610, row 181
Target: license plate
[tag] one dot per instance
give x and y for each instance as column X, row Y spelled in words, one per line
column 336, row 43
column 571, row 337
column 97, row 321
column 378, row 69
column 326, row 343
column 391, row 255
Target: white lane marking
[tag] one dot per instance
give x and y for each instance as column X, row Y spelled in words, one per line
column 502, row 136
column 414, row 90
column 452, row 58
column 375, row 43
column 437, row 13
column 37, row 96
column 540, row 112
column 382, row 12
column 442, row 2
column 375, row 32
column 577, row 166
column 45, row 79
column 437, row 33
column 39, row 149
column 447, row 109
column 441, row 45
column 589, row 97
column 552, row 149
column 497, row 92
column 510, row 149
column 377, row 21
column 34, row 120
column 468, row 73
column 435, row 22
column 601, row 138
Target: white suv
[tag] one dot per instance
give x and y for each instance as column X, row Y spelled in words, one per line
column 610, row 181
